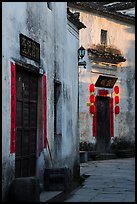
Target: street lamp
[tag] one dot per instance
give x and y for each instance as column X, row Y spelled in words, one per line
column 81, row 54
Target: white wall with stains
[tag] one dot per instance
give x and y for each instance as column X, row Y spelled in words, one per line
column 58, row 58
column 121, row 36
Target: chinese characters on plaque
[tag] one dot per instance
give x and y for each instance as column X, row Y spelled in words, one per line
column 104, row 81
column 29, row 48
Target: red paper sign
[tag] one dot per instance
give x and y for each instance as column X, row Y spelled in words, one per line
column 94, row 121
column 111, row 118
column 45, row 110
column 102, row 92
column 13, row 109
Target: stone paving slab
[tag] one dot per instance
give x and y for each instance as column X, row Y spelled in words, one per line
column 108, row 181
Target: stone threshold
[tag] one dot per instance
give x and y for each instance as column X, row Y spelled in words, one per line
column 60, row 196
column 45, row 196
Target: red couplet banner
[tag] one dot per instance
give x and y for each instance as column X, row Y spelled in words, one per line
column 13, row 109
column 45, row 110
column 111, row 118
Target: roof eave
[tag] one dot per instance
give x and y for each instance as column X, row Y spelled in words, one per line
column 114, row 15
column 75, row 20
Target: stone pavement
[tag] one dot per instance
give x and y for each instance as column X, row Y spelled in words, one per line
column 108, row 181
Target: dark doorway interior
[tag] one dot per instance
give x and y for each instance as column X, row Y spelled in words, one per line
column 26, row 125
column 57, row 108
column 103, row 124
column 57, row 120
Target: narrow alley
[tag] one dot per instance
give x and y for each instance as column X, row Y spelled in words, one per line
column 108, row 181
column 68, row 101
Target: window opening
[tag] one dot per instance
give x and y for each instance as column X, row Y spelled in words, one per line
column 103, row 37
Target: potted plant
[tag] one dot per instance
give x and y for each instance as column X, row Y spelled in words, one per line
column 105, row 53
column 123, row 148
column 89, row 148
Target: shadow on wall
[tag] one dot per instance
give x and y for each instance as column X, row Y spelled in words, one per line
column 130, row 80
column 57, row 149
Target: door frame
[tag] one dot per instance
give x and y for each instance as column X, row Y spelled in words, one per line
column 105, row 132
column 26, row 130
column 41, row 109
column 104, row 93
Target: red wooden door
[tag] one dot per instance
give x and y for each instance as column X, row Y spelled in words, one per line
column 26, row 123
column 103, row 124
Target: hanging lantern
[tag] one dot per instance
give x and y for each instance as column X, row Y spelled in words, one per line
column 117, row 109
column 92, row 99
column 92, row 109
column 116, row 89
column 92, row 88
column 116, row 99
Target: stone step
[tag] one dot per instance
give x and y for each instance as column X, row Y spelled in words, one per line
column 48, row 195
column 24, row 189
column 57, row 196
column 86, row 156
column 105, row 156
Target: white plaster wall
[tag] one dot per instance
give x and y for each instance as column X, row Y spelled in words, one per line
column 66, row 71
column 70, row 142
column 36, row 21
column 122, row 36
column 59, row 46
column 58, row 58
column 10, row 48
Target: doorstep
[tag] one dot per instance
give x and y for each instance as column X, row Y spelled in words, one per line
column 106, row 156
column 127, row 153
column 45, row 196
column 58, row 196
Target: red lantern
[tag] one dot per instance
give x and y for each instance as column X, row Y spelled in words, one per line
column 116, row 99
column 117, row 109
column 116, row 89
column 92, row 109
column 91, row 87
column 92, row 98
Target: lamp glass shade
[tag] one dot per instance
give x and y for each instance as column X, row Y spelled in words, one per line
column 116, row 89
column 116, row 99
column 117, row 109
column 81, row 52
column 91, row 87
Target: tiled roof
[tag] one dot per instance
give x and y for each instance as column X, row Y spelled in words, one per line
column 124, row 11
column 74, row 18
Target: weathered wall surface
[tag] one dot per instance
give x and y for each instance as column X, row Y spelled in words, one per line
column 122, row 37
column 50, row 29
column 70, row 142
